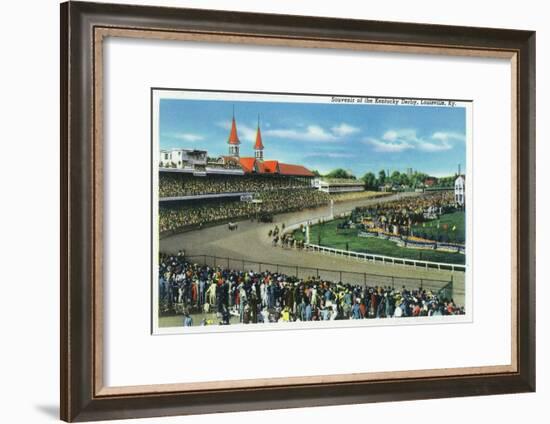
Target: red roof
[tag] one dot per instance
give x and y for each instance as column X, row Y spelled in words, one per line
column 258, row 145
column 233, row 137
column 251, row 165
column 271, row 166
column 296, row 170
column 259, row 167
column 247, row 164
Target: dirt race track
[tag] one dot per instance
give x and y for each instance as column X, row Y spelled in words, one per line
column 250, row 243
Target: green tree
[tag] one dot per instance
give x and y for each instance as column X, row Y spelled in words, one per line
column 370, row 181
column 417, row 179
column 382, row 177
column 395, row 177
column 446, row 181
column 340, row 173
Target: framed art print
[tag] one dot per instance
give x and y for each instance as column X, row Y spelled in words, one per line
column 303, row 211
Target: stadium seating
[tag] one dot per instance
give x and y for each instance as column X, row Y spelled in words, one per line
column 272, row 201
column 180, row 184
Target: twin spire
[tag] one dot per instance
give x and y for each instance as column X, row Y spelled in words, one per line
column 234, row 141
column 258, row 145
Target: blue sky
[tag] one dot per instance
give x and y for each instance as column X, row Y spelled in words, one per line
column 356, row 137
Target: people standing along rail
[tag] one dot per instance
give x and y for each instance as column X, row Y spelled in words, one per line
column 256, row 297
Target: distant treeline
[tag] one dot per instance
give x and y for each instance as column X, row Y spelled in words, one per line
column 374, row 182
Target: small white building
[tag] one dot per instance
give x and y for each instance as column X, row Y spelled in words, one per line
column 182, row 158
column 460, row 188
column 339, row 185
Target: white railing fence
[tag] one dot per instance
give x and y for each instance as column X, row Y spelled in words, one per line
column 370, row 257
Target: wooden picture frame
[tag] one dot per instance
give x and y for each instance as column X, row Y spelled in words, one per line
column 83, row 28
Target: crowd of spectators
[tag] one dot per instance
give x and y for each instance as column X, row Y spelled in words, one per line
column 398, row 216
column 274, row 201
column 211, row 163
column 272, row 297
column 216, row 163
column 180, row 184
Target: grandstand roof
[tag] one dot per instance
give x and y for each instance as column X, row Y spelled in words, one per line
column 233, row 137
column 296, row 170
column 247, row 164
column 270, row 166
column 253, row 166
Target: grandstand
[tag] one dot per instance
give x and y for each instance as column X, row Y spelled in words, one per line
column 179, row 215
column 174, row 186
column 196, row 190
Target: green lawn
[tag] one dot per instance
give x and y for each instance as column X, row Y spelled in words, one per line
column 348, row 239
column 431, row 231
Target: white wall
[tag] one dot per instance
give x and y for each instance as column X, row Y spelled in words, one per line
column 30, row 232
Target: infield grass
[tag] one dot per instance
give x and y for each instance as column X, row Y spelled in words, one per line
column 330, row 236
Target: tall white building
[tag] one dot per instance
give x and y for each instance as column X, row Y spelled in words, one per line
column 460, row 187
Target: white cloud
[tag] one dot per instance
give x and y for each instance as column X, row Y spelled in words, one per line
column 397, row 135
column 245, row 132
column 405, row 139
column 447, row 136
column 434, row 147
column 331, row 155
column 309, row 133
column 300, row 132
column 314, row 132
column 344, row 129
column 391, row 146
column 185, row 136
column 440, row 141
